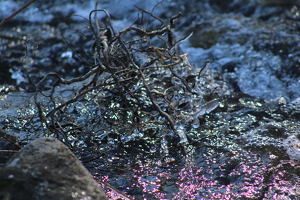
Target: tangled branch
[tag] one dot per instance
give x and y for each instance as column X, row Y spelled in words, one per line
column 139, row 80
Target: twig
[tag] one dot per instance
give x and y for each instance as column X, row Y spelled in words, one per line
column 166, row 115
column 9, row 151
column 122, row 194
column 16, row 12
column 204, row 69
column 10, row 138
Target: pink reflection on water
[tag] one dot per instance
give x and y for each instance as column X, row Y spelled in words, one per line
column 250, row 181
column 193, row 184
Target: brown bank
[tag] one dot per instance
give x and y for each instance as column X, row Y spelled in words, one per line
column 46, row 169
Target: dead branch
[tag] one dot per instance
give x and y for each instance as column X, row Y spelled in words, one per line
column 130, row 82
column 16, row 12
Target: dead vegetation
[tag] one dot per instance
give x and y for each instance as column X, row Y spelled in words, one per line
column 140, row 83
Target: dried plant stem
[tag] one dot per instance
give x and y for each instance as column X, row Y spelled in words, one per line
column 16, row 12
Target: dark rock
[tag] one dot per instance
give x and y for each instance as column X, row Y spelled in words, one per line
column 205, row 36
column 47, row 169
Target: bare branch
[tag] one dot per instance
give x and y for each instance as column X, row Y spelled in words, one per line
column 16, row 12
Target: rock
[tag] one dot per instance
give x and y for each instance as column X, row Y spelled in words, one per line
column 46, row 169
column 209, row 33
column 291, row 144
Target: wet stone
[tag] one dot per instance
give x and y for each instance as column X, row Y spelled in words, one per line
column 47, row 169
